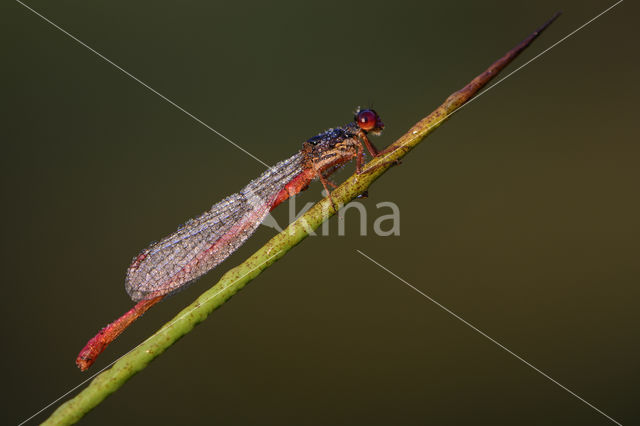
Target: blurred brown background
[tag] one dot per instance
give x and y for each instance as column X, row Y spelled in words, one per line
column 520, row 214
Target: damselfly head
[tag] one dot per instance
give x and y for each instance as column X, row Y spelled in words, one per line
column 369, row 121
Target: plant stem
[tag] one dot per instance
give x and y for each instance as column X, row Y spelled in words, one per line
column 235, row 279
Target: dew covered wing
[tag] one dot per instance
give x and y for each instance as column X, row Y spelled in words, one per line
column 205, row 241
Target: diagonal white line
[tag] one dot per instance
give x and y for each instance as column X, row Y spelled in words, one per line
column 70, row 390
column 145, row 85
column 473, row 327
column 266, row 165
column 536, row 57
column 149, row 338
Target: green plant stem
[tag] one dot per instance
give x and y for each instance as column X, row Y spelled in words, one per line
column 235, row 279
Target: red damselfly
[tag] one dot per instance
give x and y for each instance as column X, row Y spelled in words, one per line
column 205, row 241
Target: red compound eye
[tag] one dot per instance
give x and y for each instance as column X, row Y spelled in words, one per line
column 367, row 119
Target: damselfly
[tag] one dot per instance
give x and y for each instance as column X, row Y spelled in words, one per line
column 205, row 241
